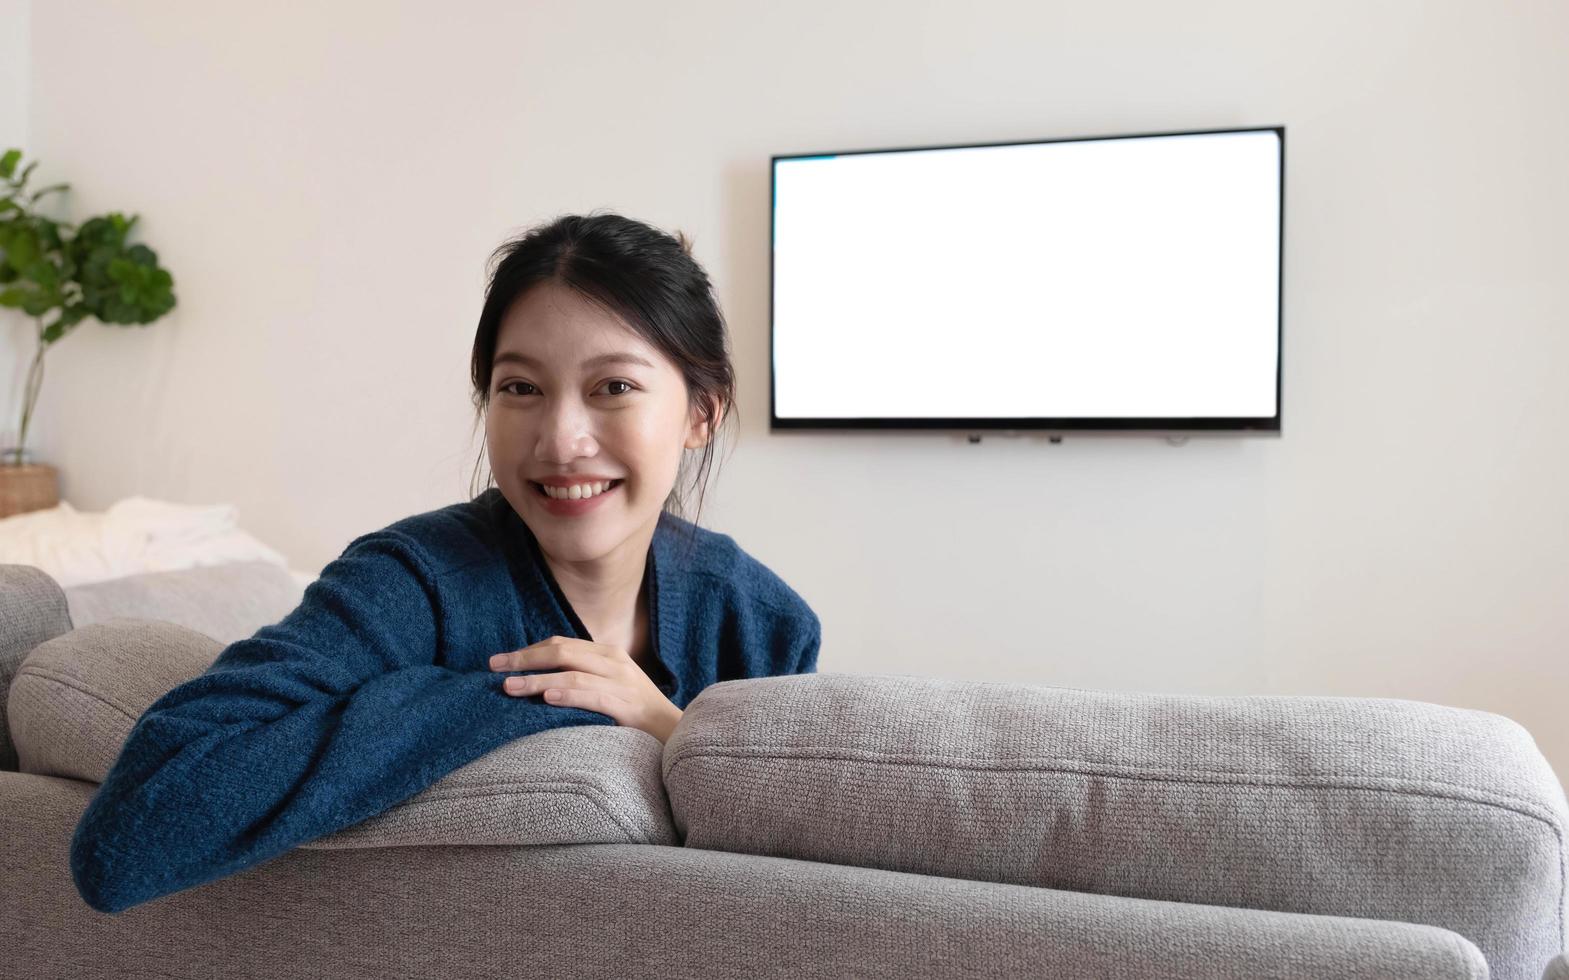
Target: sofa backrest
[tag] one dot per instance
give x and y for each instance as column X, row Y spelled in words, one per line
column 228, row 601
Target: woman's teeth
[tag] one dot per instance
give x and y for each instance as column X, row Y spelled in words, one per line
column 577, row 491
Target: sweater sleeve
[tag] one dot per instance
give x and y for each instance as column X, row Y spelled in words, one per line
column 806, row 662
column 313, row 724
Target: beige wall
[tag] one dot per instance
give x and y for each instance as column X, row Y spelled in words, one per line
column 326, row 186
column 17, row 333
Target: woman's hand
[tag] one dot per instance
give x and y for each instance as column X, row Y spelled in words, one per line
column 601, row 678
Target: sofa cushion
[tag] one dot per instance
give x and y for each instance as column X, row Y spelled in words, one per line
column 1365, row 807
column 76, row 698
column 582, row 784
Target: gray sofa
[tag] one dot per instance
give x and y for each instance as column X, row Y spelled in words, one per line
column 822, row 825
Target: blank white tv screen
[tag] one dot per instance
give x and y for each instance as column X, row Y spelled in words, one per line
column 1107, row 282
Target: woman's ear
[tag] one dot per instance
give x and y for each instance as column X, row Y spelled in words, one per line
column 699, row 432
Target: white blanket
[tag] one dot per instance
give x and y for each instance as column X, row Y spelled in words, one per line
column 135, row 535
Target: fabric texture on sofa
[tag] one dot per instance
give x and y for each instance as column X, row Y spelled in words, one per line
column 1260, row 802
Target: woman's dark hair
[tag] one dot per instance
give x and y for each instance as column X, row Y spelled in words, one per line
column 641, row 275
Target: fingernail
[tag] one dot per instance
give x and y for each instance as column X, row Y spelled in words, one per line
column 513, row 683
column 499, row 660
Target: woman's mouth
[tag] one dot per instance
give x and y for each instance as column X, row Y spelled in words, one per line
column 566, row 507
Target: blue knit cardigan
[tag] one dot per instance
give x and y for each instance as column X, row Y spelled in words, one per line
column 378, row 684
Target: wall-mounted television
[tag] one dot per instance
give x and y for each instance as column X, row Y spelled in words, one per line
column 1104, row 282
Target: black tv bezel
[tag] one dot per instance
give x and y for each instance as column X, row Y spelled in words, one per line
column 1157, row 425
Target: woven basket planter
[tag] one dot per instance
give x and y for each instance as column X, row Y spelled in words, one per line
column 28, row 487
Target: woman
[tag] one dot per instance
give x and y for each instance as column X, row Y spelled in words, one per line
column 599, row 363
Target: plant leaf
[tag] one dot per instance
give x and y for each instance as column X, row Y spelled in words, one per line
column 46, row 190
column 22, row 249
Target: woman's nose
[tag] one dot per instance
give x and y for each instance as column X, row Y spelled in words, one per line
column 565, row 428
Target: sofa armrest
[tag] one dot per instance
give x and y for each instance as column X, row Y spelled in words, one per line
column 33, row 609
column 1370, row 807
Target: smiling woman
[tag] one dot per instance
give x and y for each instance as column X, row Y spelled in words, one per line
column 601, row 365
column 601, row 279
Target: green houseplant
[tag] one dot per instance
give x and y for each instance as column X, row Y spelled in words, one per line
column 60, row 274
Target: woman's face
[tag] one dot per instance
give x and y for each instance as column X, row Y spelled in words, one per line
column 557, row 414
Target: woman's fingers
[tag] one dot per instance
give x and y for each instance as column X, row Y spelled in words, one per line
column 534, row 683
column 546, row 653
column 561, row 651
column 573, row 689
column 592, row 698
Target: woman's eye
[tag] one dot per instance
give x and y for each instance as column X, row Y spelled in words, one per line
column 511, row 384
